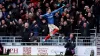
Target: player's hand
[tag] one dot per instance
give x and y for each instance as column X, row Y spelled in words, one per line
column 63, row 6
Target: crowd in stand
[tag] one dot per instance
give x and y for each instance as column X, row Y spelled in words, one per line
column 22, row 18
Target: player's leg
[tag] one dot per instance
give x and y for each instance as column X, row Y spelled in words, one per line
column 50, row 32
column 55, row 29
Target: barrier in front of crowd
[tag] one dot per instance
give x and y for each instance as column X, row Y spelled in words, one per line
column 55, row 39
column 92, row 32
column 79, row 41
column 50, row 50
column 49, row 47
column 35, row 50
column 86, row 41
column 83, row 44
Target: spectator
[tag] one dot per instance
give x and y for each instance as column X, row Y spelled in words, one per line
column 73, row 9
column 81, row 5
column 57, row 19
column 44, row 28
column 12, row 28
column 70, row 45
column 26, row 33
column 19, row 27
column 86, row 11
column 4, row 13
column 3, row 28
column 9, row 18
column 67, row 17
column 91, row 20
column 96, row 11
column 61, row 25
column 70, row 37
column 35, row 30
column 85, row 30
column 27, row 19
column 15, row 11
column 81, row 22
column 66, row 28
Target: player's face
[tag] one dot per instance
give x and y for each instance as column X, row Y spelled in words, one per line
column 49, row 11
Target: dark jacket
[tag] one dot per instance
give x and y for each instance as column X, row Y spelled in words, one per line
column 85, row 31
column 3, row 30
column 69, row 47
column 19, row 29
column 25, row 35
column 96, row 8
column 70, row 43
column 35, row 30
column 11, row 30
column 66, row 29
column 91, row 21
column 44, row 29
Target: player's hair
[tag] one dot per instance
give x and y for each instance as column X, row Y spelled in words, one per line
column 48, row 9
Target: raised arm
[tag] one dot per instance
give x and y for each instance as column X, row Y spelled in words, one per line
column 57, row 10
column 44, row 15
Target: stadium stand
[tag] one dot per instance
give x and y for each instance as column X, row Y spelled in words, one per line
column 21, row 22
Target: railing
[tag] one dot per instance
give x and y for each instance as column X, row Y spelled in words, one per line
column 92, row 32
column 86, row 41
column 56, row 40
column 17, row 40
column 83, row 40
column 40, row 38
column 10, row 38
column 34, row 44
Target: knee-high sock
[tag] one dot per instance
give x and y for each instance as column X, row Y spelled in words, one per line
column 55, row 30
column 47, row 37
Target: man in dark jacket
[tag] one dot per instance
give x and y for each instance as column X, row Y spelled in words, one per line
column 26, row 33
column 66, row 28
column 44, row 28
column 19, row 27
column 85, row 30
column 91, row 20
column 70, row 46
column 96, row 12
column 3, row 28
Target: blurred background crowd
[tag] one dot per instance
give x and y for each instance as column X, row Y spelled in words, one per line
column 22, row 17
